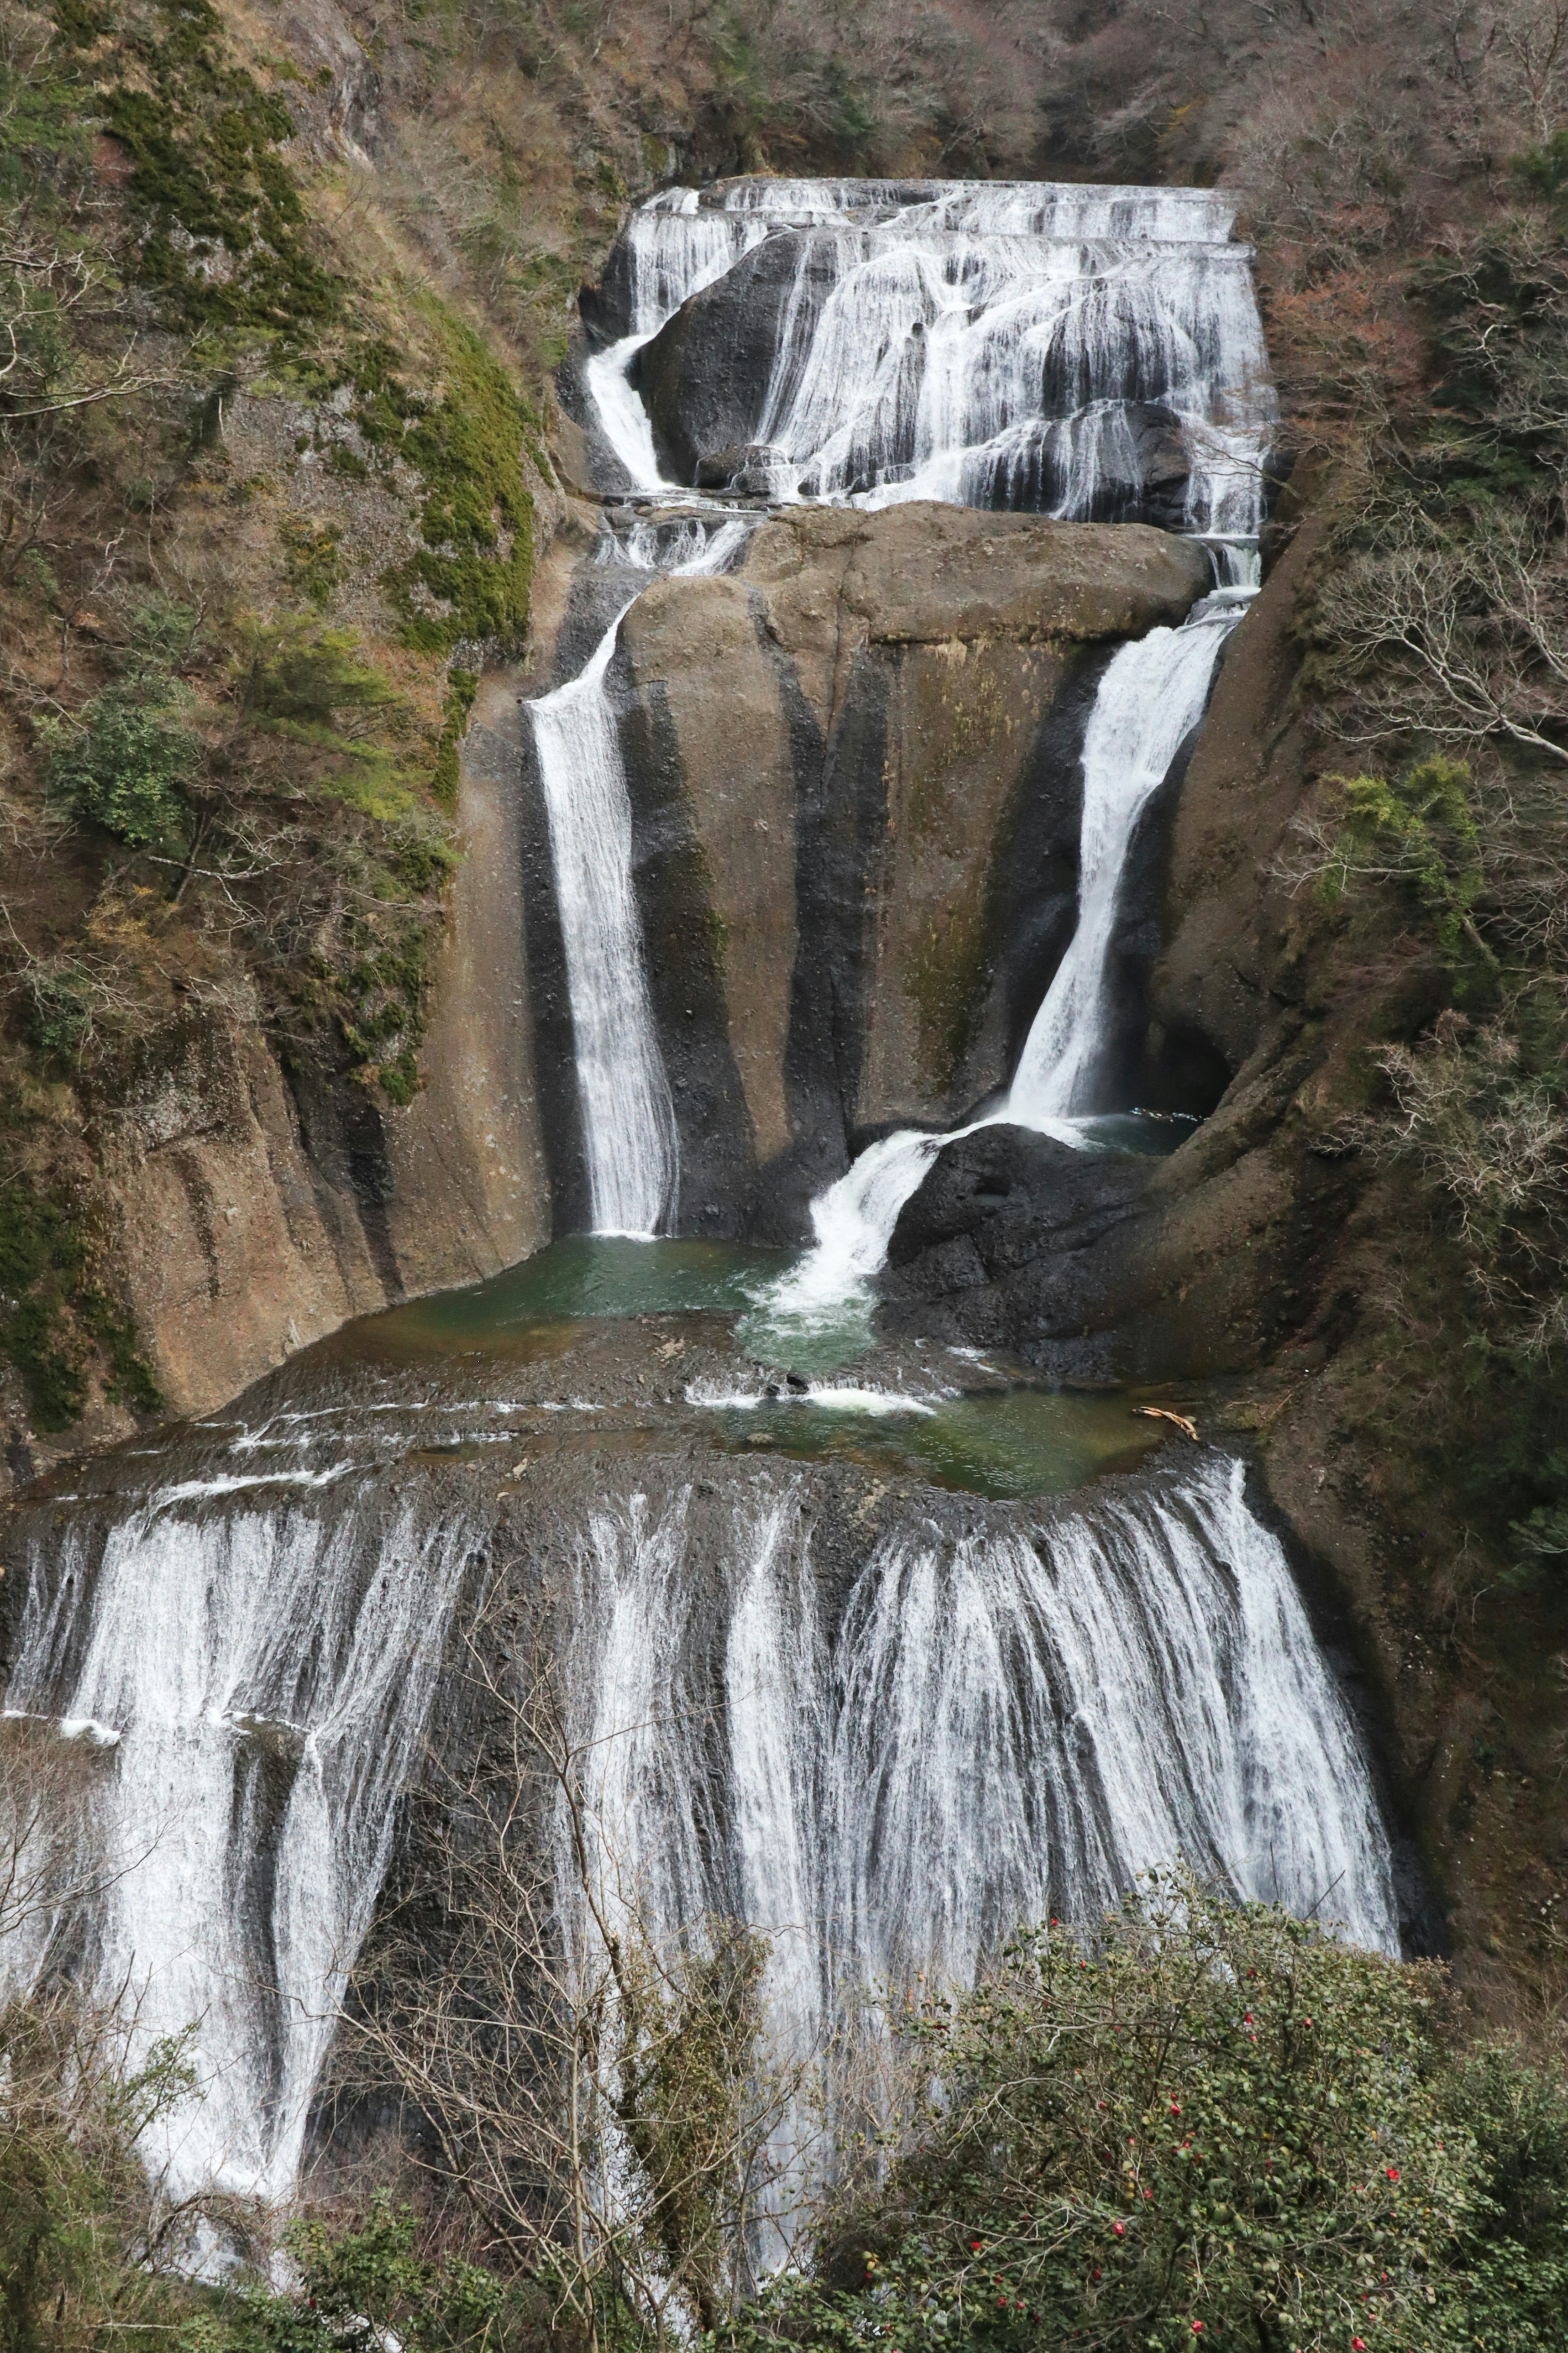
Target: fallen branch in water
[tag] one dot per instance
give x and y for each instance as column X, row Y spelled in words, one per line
column 1164, row 1413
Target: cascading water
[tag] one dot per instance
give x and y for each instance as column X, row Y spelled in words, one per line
column 993, row 1728
column 883, row 1751
column 629, row 1134
column 1150, row 699
column 997, row 1725
column 260, row 1679
column 1001, row 345
column 1125, row 1681
column 1010, row 346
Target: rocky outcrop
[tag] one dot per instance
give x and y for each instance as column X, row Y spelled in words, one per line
column 854, row 775
column 260, row 1206
column 1007, row 1242
column 704, row 378
column 1220, row 1254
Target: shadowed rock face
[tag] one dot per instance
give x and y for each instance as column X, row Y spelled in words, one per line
column 1012, row 1240
column 704, row 378
column 854, row 773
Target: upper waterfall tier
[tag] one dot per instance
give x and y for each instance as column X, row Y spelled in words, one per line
column 1093, row 353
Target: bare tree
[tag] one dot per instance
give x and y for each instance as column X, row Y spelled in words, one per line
column 1460, row 640
column 592, row 2087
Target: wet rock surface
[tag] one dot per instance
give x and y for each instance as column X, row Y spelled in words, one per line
column 854, row 774
column 1016, row 1240
column 705, row 377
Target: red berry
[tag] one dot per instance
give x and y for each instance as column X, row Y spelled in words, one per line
column 1393, row 2173
column 1120, row 2228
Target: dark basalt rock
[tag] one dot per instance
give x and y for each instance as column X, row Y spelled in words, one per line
column 1144, row 480
column 605, row 310
column 752, row 468
column 704, row 378
column 1012, row 1240
column 1011, row 1193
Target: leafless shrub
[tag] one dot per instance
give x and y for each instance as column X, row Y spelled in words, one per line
column 1456, row 639
column 594, row 2089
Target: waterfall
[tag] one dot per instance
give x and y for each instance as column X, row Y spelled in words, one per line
column 628, row 1119
column 885, row 1762
column 1012, row 346
column 996, row 1726
column 1008, row 346
column 1001, row 1725
column 629, row 1134
column 1149, row 700
column 259, row 1682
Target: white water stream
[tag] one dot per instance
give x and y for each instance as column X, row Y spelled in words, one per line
column 1150, row 699
column 1001, row 1725
column 995, row 1723
column 260, row 1681
column 991, row 345
column 629, row 1135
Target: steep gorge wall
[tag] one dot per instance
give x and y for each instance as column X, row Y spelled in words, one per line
column 259, row 1207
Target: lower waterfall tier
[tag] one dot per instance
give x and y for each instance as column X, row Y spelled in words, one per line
column 882, row 1721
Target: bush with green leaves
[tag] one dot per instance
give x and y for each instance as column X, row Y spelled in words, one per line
column 88, row 2248
column 125, row 759
column 365, row 2284
column 1219, row 2126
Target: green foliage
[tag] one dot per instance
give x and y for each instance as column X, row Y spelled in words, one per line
column 1514, row 2258
column 312, row 688
column 362, row 2283
column 1219, row 2124
column 223, row 234
column 462, row 685
column 52, row 1311
column 1417, row 829
column 1543, row 170
column 311, row 559
column 471, row 580
column 76, row 2223
column 125, row 759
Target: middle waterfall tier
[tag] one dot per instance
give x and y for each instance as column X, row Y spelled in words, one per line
column 630, row 1141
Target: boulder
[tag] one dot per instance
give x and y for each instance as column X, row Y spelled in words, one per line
column 1010, row 1193
column 704, row 378
column 1015, row 1240
column 755, row 468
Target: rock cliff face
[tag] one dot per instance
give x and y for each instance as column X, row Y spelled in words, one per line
column 259, row 1207
column 1217, row 1254
column 853, row 766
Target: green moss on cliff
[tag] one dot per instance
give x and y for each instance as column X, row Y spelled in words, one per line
column 222, row 233
column 470, row 581
column 58, row 1325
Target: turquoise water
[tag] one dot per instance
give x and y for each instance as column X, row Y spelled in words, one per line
column 1003, row 1441
column 1008, row 1444
column 590, row 1275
